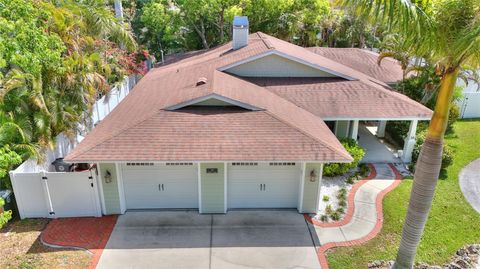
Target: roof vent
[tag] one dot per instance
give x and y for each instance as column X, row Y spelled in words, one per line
column 201, row 81
column 240, row 32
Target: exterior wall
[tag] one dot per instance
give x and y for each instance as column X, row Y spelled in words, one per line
column 212, row 188
column 110, row 190
column 276, row 66
column 342, row 128
column 311, row 189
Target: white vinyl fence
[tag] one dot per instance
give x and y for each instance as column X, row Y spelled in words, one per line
column 470, row 105
column 56, row 195
column 42, row 193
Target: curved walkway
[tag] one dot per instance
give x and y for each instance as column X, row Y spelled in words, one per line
column 470, row 183
column 364, row 218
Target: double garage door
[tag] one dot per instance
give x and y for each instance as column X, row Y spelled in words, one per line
column 249, row 185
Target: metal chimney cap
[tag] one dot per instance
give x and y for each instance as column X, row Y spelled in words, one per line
column 240, row 21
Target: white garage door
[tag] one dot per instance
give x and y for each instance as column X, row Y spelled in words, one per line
column 160, row 185
column 263, row 185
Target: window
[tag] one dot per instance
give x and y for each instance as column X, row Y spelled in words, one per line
column 245, row 164
column 281, row 164
column 140, row 164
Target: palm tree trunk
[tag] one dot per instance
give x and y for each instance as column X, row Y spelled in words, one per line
column 426, row 175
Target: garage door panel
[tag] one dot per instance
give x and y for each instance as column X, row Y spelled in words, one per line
column 161, row 186
column 280, row 191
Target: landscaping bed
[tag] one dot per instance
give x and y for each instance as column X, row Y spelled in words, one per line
column 20, row 247
column 452, row 222
column 334, row 194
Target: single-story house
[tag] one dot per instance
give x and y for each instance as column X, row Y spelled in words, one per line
column 249, row 124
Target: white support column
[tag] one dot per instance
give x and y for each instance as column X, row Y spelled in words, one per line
column 410, row 141
column 354, row 130
column 121, row 190
column 225, row 189
column 381, row 128
column 302, row 187
column 199, row 174
column 320, row 177
column 100, row 187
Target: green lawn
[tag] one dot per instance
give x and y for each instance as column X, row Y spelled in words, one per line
column 452, row 221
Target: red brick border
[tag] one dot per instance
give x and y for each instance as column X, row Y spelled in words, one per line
column 351, row 205
column 87, row 233
column 378, row 226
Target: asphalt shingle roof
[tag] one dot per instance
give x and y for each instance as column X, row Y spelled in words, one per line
column 287, row 125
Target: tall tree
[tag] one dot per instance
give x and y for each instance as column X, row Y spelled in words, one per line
column 448, row 33
column 55, row 58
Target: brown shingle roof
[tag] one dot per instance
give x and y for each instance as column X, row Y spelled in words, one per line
column 333, row 98
column 141, row 128
column 210, row 133
column 389, row 71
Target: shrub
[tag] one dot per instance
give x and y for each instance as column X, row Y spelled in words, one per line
column 350, row 179
column 342, row 194
column 8, row 160
column 328, row 209
column 447, row 156
column 336, row 169
column 363, row 169
column 453, row 116
column 335, row 215
column 4, row 216
column 324, row 218
column 342, row 203
column 326, row 198
column 340, row 210
column 397, row 130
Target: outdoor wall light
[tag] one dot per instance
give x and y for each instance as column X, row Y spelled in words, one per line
column 313, row 176
column 108, row 177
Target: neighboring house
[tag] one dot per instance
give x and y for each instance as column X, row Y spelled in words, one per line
column 249, row 124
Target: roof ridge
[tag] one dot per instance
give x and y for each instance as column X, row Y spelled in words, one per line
column 264, row 38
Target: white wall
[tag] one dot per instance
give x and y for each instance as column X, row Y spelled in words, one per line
column 470, row 102
column 470, row 105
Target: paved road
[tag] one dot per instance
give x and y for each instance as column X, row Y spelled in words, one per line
column 470, row 183
column 183, row 239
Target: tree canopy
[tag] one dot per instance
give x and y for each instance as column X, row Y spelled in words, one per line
column 179, row 25
column 55, row 58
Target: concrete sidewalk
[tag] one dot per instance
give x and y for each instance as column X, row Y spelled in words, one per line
column 365, row 222
column 364, row 217
column 469, row 179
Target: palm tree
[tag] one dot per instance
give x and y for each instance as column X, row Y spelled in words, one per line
column 448, row 33
column 55, row 100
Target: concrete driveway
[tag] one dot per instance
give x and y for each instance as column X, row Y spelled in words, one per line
column 186, row 239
